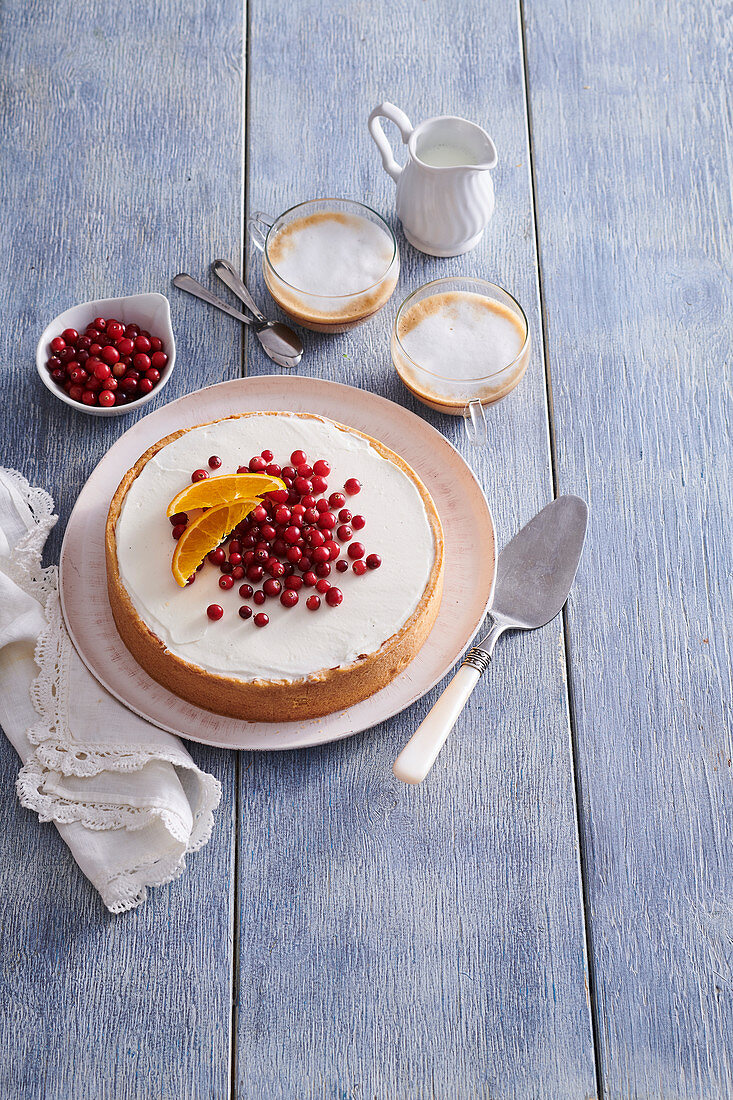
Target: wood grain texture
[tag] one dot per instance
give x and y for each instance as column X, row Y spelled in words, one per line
column 632, row 146
column 423, row 942
column 117, row 172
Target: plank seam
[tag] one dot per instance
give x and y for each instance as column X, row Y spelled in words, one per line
column 589, row 951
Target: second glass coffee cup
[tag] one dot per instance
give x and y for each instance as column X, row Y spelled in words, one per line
column 330, row 264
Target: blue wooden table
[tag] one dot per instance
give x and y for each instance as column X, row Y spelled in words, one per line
column 550, row 914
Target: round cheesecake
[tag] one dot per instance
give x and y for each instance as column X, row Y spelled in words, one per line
column 303, row 663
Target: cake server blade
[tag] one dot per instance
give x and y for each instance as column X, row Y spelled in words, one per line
column 533, row 577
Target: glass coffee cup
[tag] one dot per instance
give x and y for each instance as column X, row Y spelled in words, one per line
column 459, row 344
column 330, row 264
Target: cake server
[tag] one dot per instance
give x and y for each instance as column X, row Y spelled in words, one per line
column 279, row 342
column 533, row 577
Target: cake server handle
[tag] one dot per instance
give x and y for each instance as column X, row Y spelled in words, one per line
column 421, row 751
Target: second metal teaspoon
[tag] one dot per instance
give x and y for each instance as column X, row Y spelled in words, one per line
column 279, row 342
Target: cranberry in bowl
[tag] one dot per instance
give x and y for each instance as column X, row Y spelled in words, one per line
column 102, row 331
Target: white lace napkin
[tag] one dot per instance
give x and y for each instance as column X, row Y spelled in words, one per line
column 126, row 797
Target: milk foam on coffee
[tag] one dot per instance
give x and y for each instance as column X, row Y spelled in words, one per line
column 460, row 345
column 331, row 254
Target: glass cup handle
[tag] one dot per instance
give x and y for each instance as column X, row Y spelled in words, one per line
column 258, row 227
column 474, row 421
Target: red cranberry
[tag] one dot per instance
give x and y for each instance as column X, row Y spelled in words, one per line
column 110, row 355
column 216, row 557
column 261, row 555
column 304, row 470
column 273, row 470
column 235, row 559
column 214, row 611
column 333, row 549
column 310, row 579
column 76, row 392
column 342, row 566
column 352, row 486
column 159, row 359
column 313, row 603
column 100, row 323
column 293, row 583
column 156, row 344
column 115, row 329
column 359, row 567
column 106, row 399
column 89, row 397
column 293, row 553
column 278, row 496
column 214, row 462
column 282, row 515
column 319, row 484
column 259, row 597
column 267, row 455
column 66, row 355
column 125, row 346
column 321, row 467
column 314, row 537
column 272, row 587
column 142, row 343
column 93, row 384
column 54, row 363
column 245, row 612
column 373, row 561
column 110, row 383
column 226, row 568
column 291, row 535
column 58, row 344
column 344, row 532
column 245, row 591
column 226, row 582
column 78, row 376
column 261, row 619
column 70, row 335
column 310, row 515
column 179, row 517
column 178, row 530
column 298, row 458
column 334, row 596
column 355, row 550
column 320, row 554
column 131, row 331
column 289, row 472
column 326, row 521
column 254, row 573
column 118, row 370
column 144, row 386
column 302, row 486
column 358, row 522
column 276, row 568
column 257, row 464
column 141, row 361
column 259, row 514
column 337, row 500
column 322, row 505
column 128, row 385
column 197, row 475
column 289, row 598
column 323, row 569
column 237, row 572
column 323, row 586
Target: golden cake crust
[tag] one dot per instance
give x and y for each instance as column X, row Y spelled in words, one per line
column 261, row 700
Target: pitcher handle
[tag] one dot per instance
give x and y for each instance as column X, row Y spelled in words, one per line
column 400, row 119
column 258, row 227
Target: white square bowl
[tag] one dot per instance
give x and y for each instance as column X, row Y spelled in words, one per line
column 149, row 311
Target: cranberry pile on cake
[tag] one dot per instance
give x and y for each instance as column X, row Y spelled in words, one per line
column 283, row 521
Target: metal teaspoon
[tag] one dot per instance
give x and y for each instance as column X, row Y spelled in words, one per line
column 278, row 341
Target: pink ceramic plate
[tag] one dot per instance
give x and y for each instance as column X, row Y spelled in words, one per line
column 469, row 576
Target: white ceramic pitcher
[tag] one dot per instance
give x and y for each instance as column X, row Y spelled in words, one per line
column 445, row 194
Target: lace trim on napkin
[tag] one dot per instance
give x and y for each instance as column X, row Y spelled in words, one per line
column 57, row 750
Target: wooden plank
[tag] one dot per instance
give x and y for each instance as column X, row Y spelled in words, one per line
column 632, row 145
column 121, row 165
column 401, row 942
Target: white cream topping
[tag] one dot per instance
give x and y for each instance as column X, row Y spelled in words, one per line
column 297, row 642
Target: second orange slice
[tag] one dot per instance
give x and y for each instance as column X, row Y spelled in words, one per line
column 205, row 534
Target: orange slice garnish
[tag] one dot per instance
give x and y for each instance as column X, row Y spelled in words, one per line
column 224, row 489
column 205, row 534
